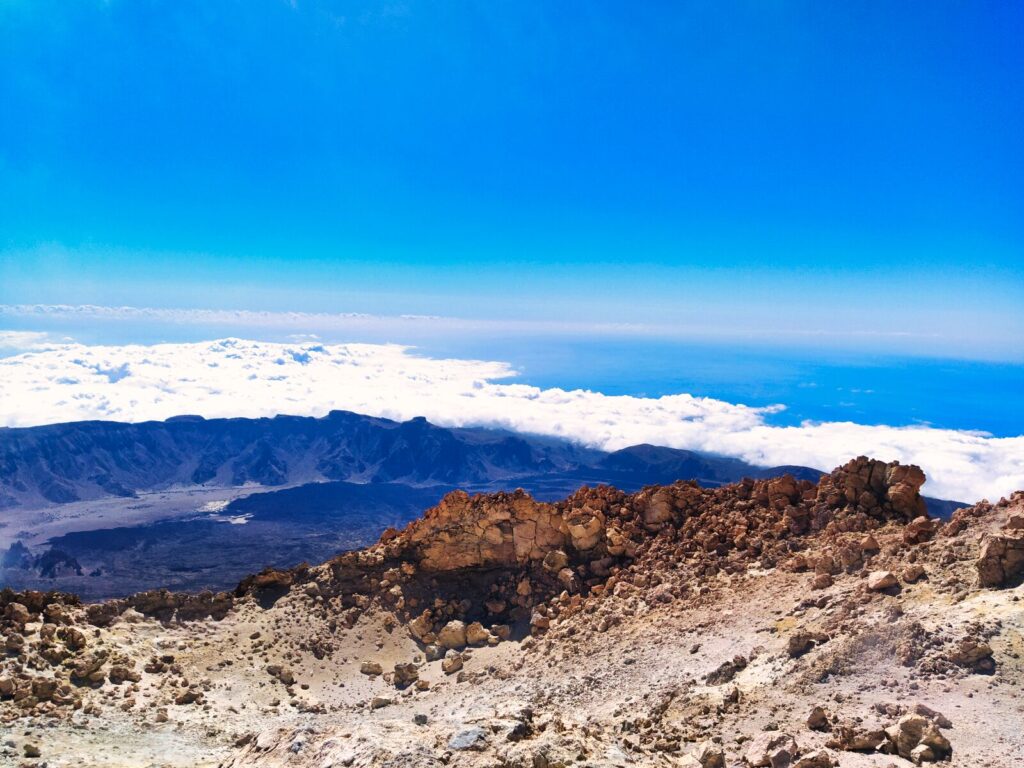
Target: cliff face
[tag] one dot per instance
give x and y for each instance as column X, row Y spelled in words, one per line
column 769, row 622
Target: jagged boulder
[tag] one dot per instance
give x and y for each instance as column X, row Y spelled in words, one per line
column 405, row 674
column 452, row 635
column 503, row 529
column 918, row 739
column 1001, row 562
column 771, row 749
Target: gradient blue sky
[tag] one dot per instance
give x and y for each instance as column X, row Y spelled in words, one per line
column 789, row 166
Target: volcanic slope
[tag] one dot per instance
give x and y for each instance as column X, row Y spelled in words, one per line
column 769, row 622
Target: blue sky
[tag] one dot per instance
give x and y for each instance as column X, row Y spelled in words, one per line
column 821, row 167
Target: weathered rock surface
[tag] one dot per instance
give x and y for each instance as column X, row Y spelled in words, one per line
column 1001, row 561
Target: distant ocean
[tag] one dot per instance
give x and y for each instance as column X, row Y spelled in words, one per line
column 813, row 385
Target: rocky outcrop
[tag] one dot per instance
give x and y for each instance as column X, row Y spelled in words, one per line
column 1001, row 562
column 512, row 529
column 496, row 530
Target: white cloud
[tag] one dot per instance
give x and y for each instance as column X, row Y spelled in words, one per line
column 246, row 378
column 244, row 322
column 19, row 340
column 306, row 322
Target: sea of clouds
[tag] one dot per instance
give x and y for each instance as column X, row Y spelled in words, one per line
column 58, row 382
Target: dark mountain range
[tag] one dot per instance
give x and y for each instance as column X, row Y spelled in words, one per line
column 62, row 463
column 111, row 508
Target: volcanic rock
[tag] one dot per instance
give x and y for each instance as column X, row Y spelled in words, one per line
column 1001, row 562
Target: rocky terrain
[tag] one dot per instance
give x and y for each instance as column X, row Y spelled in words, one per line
column 105, row 509
column 770, row 622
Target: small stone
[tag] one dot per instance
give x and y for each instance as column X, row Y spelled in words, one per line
column 452, row 662
column 555, row 560
column 800, row 642
column 818, row 759
column 821, row 581
column 913, row 573
column 476, row 635
column 817, row 720
column 879, row 581
column 471, row 738
column 405, row 675
column 771, row 748
column 371, row 668
column 708, row 755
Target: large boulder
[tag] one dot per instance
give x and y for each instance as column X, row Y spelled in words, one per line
column 918, row 739
column 452, row 635
column 771, row 748
column 1001, row 562
column 497, row 530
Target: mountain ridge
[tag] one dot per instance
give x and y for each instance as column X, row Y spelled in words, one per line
column 61, row 463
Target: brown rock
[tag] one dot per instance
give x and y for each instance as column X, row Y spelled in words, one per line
column 503, row 529
column 452, row 635
column 821, row 581
column 452, row 662
column 913, row 731
column 706, row 755
column 817, row 720
column 120, row 673
column 421, row 625
column 854, row 738
column 973, row 654
column 659, row 508
column 1001, row 562
column 879, row 581
column 801, row 641
column 913, row 573
column 405, row 675
column 555, row 560
column 272, row 579
column 770, row 748
column 476, row 635
column 820, row 758
column 17, row 614
column 919, row 529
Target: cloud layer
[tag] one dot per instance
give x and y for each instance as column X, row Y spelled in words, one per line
column 21, row 340
column 343, row 325
column 231, row 377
